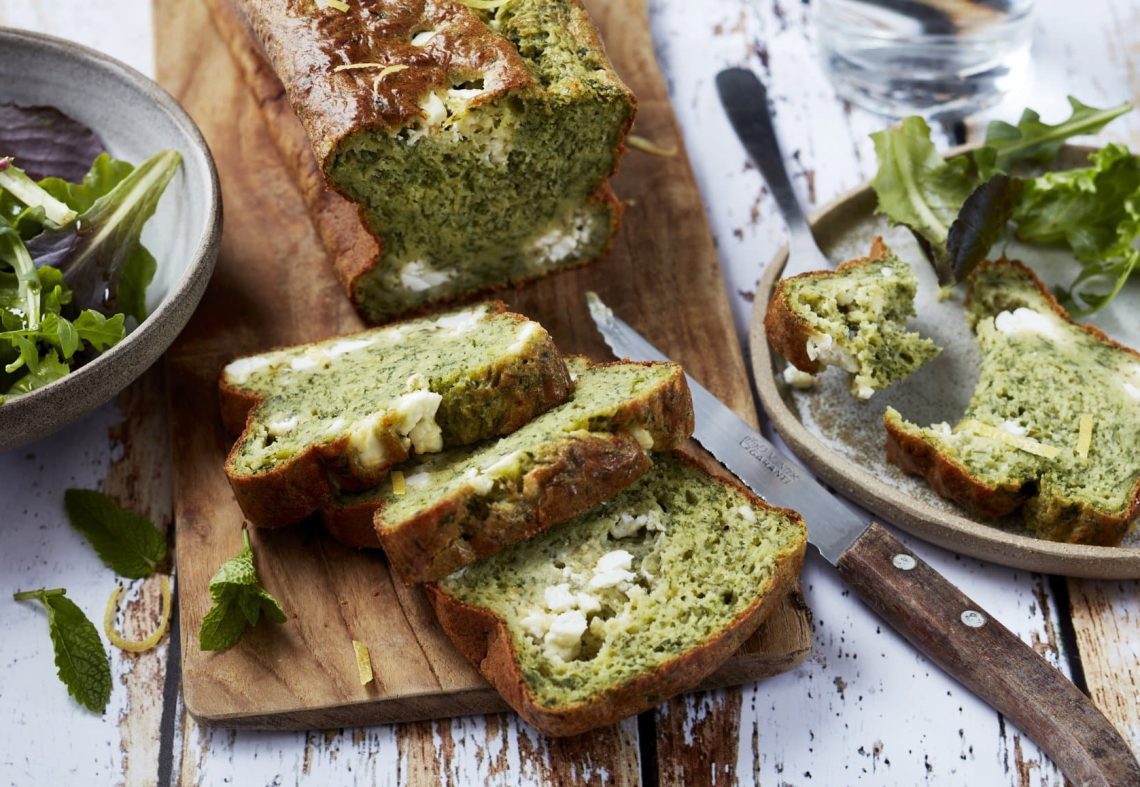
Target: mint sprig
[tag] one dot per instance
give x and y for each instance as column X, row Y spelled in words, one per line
column 129, row 544
column 239, row 602
column 79, row 654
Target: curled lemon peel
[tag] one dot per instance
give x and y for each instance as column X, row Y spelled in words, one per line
column 649, row 146
column 339, row 5
column 1026, row 444
column 137, row 646
column 399, row 485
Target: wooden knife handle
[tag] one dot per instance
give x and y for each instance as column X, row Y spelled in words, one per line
column 987, row 658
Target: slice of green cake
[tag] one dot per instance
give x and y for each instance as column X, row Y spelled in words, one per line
column 441, row 512
column 1053, row 425
column 854, row 318
column 340, row 412
column 628, row 604
column 476, row 139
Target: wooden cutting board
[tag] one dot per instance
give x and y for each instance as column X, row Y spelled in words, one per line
column 274, row 286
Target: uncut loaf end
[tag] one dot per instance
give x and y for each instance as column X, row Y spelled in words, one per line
column 628, row 604
column 477, row 144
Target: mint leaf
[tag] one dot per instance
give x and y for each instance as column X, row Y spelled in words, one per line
column 1036, row 142
column 919, row 189
column 239, row 602
column 128, row 543
column 80, row 658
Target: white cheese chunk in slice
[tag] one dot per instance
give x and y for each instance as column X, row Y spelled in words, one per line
column 612, row 569
column 1023, row 321
column 238, row 372
column 564, row 639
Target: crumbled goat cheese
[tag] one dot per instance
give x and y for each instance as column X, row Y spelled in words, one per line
column 418, row 276
column 629, row 525
column 460, row 322
column 823, row 348
column 797, row 379
column 282, row 426
column 611, row 570
column 558, row 598
column 347, row 346
column 564, row 639
column 238, row 372
column 1022, row 321
column 1014, row 428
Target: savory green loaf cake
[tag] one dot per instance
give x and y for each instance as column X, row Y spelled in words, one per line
column 853, row 318
column 338, row 413
column 443, row 511
column 1053, row 425
column 628, row 604
column 476, row 139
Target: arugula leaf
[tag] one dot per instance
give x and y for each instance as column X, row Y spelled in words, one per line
column 98, row 330
column 80, row 657
column 16, row 182
column 1036, row 142
column 1095, row 211
column 920, row 189
column 239, row 602
column 105, row 173
column 45, row 369
column 128, row 543
column 96, row 261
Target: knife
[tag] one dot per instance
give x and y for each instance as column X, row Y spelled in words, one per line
column 918, row 602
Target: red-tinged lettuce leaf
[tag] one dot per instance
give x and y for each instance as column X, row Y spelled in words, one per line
column 47, row 143
column 981, row 222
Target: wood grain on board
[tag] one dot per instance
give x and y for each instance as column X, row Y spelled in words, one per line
column 274, row 286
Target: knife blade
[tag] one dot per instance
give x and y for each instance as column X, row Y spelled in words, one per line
column 926, row 608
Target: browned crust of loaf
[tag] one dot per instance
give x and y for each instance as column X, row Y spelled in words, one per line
column 304, row 44
column 947, row 477
column 354, row 250
column 310, row 480
column 954, row 481
column 351, row 523
column 585, row 471
column 787, row 331
column 485, row 641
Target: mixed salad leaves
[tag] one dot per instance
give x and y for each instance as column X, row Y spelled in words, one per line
column 73, row 270
column 959, row 208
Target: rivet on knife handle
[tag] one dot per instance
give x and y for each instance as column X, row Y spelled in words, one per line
column 987, row 658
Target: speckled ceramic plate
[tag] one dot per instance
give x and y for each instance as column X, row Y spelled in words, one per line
column 843, row 439
column 135, row 118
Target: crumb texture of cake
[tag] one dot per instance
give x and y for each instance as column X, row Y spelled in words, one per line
column 340, row 412
column 1053, row 425
column 476, row 143
column 622, row 607
column 854, row 318
column 460, row 505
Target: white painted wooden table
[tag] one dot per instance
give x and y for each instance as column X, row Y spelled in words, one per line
column 865, row 709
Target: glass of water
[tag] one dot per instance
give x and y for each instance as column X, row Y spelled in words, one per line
column 937, row 58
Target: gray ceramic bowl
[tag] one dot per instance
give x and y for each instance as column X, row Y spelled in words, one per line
column 135, row 118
